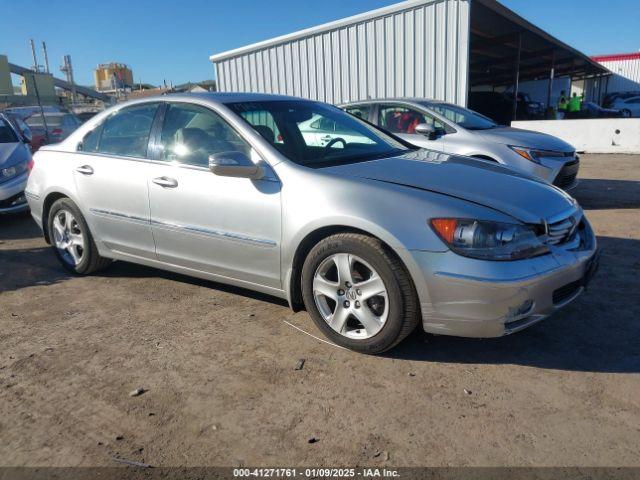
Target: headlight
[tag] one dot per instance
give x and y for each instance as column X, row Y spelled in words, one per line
column 488, row 240
column 533, row 154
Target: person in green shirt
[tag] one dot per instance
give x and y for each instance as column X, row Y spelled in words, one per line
column 563, row 104
column 575, row 103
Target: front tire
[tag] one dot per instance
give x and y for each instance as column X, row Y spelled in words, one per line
column 71, row 239
column 359, row 293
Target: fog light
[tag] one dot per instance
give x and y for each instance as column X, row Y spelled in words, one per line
column 516, row 313
column 18, row 201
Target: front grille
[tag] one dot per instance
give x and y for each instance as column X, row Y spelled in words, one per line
column 567, row 175
column 565, row 292
column 561, row 231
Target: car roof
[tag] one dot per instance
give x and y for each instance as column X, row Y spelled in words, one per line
column 223, row 97
column 418, row 100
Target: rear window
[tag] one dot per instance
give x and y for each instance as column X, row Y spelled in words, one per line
column 52, row 121
column 7, row 135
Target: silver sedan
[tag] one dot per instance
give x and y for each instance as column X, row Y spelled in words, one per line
column 372, row 235
column 449, row 128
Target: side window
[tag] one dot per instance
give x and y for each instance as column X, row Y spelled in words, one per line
column 90, row 141
column 191, row 133
column 401, row 119
column 360, row 111
column 126, row 132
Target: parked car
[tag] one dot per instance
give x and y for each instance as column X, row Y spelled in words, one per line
column 15, row 163
column 628, row 107
column 593, row 110
column 610, row 98
column 371, row 234
column 28, row 111
column 449, row 128
column 58, row 125
column 84, row 116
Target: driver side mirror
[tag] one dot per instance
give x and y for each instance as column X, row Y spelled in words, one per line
column 426, row 130
column 234, row 164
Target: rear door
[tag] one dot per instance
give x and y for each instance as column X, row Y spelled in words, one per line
column 111, row 172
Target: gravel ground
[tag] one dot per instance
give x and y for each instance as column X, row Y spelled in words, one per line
column 219, row 366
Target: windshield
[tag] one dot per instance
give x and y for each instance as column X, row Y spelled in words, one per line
column 7, row 135
column 462, row 116
column 52, row 120
column 315, row 134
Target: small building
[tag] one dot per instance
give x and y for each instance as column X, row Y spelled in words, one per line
column 439, row 49
column 112, row 76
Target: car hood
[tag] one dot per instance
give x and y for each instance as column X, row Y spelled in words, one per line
column 477, row 181
column 9, row 154
column 525, row 138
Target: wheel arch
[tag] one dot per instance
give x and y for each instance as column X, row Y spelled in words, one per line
column 49, row 200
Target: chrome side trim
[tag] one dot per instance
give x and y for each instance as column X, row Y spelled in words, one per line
column 215, row 233
column 32, row 196
column 108, row 213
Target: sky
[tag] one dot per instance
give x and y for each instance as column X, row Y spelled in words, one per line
column 172, row 41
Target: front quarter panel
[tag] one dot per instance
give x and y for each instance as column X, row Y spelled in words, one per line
column 397, row 215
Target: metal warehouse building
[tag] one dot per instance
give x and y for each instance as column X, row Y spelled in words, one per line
column 425, row 48
column 625, row 68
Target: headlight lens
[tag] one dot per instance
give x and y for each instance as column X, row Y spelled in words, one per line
column 534, row 155
column 488, row 240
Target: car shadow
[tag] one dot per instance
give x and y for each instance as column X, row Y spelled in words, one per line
column 601, row 194
column 597, row 333
column 18, row 227
column 131, row 270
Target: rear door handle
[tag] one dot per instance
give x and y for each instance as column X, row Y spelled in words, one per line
column 166, row 182
column 85, row 170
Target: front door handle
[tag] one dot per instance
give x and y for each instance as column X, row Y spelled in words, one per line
column 326, row 138
column 166, row 182
column 85, row 170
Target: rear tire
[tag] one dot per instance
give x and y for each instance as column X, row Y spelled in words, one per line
column 71, row 239
column 375, row 308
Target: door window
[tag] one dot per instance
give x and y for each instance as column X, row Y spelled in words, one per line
column 360, row 111
column 402, row 119
column 191, row 133
column 126, row 132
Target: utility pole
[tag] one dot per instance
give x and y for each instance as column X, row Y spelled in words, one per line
column 36, row 67
column 46, row 57
column 44, row 120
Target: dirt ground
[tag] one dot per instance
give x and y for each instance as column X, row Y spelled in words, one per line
column 219, row 366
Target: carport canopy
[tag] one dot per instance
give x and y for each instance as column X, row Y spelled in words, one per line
column 506, row 49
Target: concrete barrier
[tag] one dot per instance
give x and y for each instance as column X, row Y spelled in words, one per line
column 602, row 135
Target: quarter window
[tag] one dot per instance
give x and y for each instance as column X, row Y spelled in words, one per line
column 126, row 132
column 191, row 133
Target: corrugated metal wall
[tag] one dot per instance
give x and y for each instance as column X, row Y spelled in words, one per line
column 417, row 48
column 626, row 75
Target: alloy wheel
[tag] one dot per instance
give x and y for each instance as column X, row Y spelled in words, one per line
column 68, row 237
column 351, row 296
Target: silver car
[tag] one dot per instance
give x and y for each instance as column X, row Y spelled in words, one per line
column 15, row 162
column 449, row 128
column 369, row 233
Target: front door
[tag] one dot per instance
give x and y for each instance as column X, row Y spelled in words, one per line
column 221, row 225
column 110, row 172
column 402, row 120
